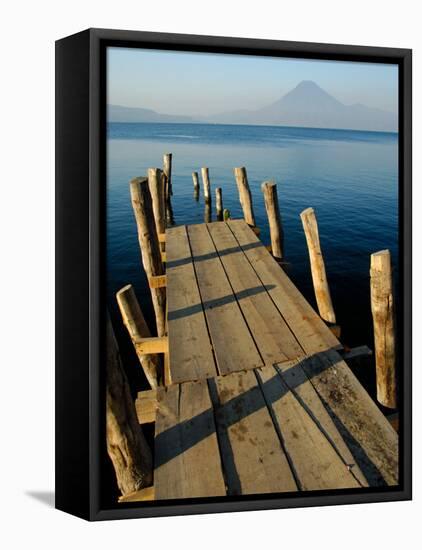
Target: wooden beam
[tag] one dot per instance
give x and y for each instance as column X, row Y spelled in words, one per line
column 319, row 276
column 158, row 281
column 245, row 195
column 162, row 237
column 156, row 185
column 269, row 190
column 383, row 320
column 146, row 406
column 152, row 345
column 355, row 353
column 150, row 248
column 137, row 328
column 126, row 444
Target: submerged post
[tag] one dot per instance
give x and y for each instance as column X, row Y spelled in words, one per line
column 207, row 213
column 126, row 444
column 167, row 158
column 206, row 184
column 156, row 183
column 137, row 328
column 150, row 249
column 245, row 196
column 219, row 203
column 319, row 276
column 383, row 320
column 269, row 188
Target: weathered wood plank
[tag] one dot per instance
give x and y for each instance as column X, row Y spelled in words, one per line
column 251, row 452
column 370, row 437
column 311, row 332
column 315, row 459
column 190, row 351
column 233, row 344
column 187, row 459
column 297, row 381
column 273, row 337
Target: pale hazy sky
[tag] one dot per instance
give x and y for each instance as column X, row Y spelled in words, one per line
column 184, row 83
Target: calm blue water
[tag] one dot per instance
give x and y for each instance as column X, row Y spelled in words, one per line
column 350, row 178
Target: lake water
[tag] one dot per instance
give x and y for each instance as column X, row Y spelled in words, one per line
column 350, row 178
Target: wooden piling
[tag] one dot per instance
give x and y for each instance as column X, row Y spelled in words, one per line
column 226, row 214
column 137, row 328
column 150, row 249
column 126, row 444
column 219, row 203
column 156, row 183
column 207, row 213
column 245, row 196
column 206, row 184
column 195, row 179
column 269, row 190
column 383, row 320
column 319, row 276
column 167, row 160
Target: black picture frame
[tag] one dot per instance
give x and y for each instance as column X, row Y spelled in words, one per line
column 80, row 188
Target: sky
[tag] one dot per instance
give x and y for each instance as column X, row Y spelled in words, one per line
column 185, row 83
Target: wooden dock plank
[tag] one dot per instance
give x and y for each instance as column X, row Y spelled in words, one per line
column 252, row 455
column 311, row 332
column 297, row 381
column 315, row 461
column 369, row 435
column 273, row 337
column 190, row 351
column 233, row 344
column 187, row 459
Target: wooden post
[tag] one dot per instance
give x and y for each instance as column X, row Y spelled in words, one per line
column 150, row 249
column 319, row 277
column 126, row 444
column 245, row 196
column 226, row 214
column 274, row 219
column 207, row 213
column 137, row 328
column 156, row 183
column 383, row 319
column 219, row 203
column 206, row 184
column 167, row 158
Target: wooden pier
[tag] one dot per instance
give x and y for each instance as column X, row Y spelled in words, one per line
column 257, row 396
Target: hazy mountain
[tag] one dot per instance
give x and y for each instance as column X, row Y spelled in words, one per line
column 118, row 113
column 308, row 105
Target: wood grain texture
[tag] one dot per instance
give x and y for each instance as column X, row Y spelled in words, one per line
column 190, row 349
column 251, row 452
column 187, row 459
column 310, row 331
column 233, row 344
column 272, row 336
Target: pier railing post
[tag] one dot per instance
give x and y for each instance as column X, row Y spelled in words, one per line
column 245, row 196
column 137, row 328
column 167, row 159
column 206, row 184
column 319, row 276
column 156, row 183
column 126, row 444
column 150, row 248
column 219, row 203
column 269, row 190
column 195, row 185
column 383, row 320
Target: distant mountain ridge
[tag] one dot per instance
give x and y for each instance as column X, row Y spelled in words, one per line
column 307, row 105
